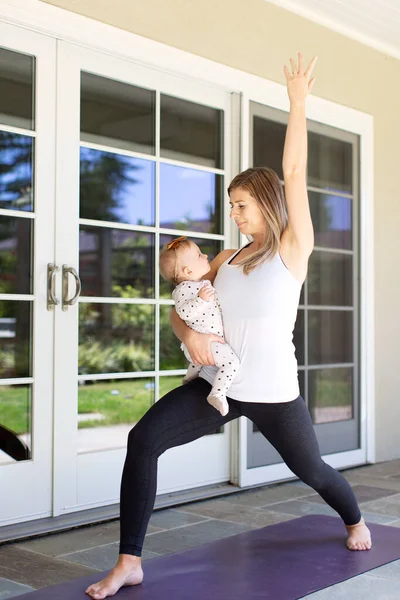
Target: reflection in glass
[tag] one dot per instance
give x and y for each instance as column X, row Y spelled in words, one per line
column 332, row 220
column 171, row 355
column 15, row 339
column 301, row 377
column 16, row 89
column 191, row 132
column 190, row 200
column 116, row 188
column 209, row 247
column 268, row 143
column 330, row 336
column 330, row 279
column 16, row 180
column 117, row 114
column 298, row 337
column 116, row 262
column 15, row 255
column 330, row 163
column 116, row 338
column 330, row 394
column 15, row 422
column 107, row 410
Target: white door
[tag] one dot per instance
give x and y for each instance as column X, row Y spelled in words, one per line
column 142, row 157
column 27, row 145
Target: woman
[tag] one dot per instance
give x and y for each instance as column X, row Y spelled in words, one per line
column 272, row 267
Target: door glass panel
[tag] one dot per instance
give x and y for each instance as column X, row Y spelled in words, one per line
column 332, row 220
column 108, row 409
column 298, row 337
column 171, row 355
column 330, row 394
column 330, row 163
column 116, row 338
column 210, row 247
column 15, row 255
column 330, row 279
column 15, row 339
column 15, row 422
column 191, row 132
column 116, row 262
column 330, row 336
column 117, row 114
column 116, row 188
column 16, row 179
column 190, row 199
column 16, row 89
column 268, row 143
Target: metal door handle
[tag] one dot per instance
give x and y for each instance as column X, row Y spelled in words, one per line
column 52, row 301
column 65, row 301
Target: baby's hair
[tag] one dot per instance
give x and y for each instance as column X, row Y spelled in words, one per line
column 169, row 258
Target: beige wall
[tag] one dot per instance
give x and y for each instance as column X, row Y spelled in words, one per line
column 258, row 37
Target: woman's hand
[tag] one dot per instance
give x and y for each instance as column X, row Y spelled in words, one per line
column 199, row 346
column 299, row 84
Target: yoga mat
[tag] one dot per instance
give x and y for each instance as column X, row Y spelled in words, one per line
column 285, row 561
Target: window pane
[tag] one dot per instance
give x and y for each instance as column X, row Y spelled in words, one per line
column 116, row 188
column 16, row 171
column 301, row 376
column 190, row 200
column 191, row 132
column 15, row 339
column 268, row 143
column 116, row 338
column 171, row 355
column 116, row 262
column 330, row 163
column 330, row 279
column 298, row 337
column 332, row 220
column 330, row 395
column 15, row 423
column 117, row 114
column 16, row 89
column 107, row 410
column 210, row 247
column 15, row 255
column 330, row 337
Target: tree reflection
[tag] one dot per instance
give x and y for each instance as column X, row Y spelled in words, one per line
column 16, row 171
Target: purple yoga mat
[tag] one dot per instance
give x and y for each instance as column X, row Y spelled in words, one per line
column 285, row 561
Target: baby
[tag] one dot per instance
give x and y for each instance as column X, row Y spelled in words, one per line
column 182, row 263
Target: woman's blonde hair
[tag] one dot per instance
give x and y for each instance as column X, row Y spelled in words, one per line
column 169, row 259
column 264, row 186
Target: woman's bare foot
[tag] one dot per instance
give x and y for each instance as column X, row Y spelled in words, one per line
column 127, row 571
column 359, row 536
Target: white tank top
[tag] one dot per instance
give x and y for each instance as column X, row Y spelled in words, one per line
column 259, row 313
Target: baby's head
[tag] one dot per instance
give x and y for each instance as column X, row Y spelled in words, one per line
column 182, row 260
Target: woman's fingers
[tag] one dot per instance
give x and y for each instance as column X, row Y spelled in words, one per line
column 287, row 72
column 310, row 84
column 301, row 66
column 311, row 66
column 294, row 68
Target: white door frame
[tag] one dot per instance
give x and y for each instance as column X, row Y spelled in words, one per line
column 28, row 483
column 93, row 479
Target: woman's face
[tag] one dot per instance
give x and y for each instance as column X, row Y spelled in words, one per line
column 246, row 213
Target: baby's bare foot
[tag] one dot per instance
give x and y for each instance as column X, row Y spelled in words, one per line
column 359, row 536
column 128, row 571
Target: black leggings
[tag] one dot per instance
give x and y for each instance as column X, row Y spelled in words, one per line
column 184, row 415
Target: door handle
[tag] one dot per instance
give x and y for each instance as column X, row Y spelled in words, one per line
column 66, row 302
column 52, row 301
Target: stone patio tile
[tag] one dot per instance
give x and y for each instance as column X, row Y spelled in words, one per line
column 389, row 571
column 171, row 517
column 385, row 469
column 267, row 495
column 37, row 570
column 364, row 493
column 102, row 558
column 182, row 538
column 10, row 589
column 226, row 511
column 386, row 506
column 363, row 587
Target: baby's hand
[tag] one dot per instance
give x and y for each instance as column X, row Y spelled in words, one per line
column 206, row 292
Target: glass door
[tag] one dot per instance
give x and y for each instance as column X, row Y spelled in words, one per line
column 142, row 157
column 326, row 335
column 27, row 143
